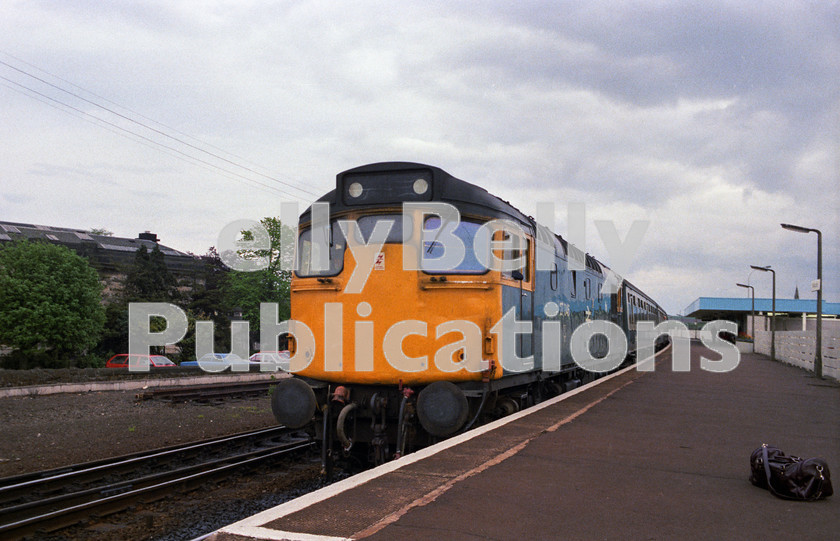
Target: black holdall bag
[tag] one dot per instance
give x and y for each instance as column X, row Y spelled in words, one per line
column 790, row 477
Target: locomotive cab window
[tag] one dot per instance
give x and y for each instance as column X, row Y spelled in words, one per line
column 434, row 249
column 522, row 251
column 309, row 256
column 366, row 225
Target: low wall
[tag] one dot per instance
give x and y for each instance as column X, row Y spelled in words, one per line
column 797, row 348
column 744, row 347
column 127, row 385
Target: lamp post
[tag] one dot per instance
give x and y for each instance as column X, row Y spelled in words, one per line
column 773, row 316
column 752, row 312
column 818, row 353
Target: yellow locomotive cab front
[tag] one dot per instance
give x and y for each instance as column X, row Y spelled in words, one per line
column 402, row 326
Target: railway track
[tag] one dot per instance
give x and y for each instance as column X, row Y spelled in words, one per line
column 207, row 392
column 53, row 499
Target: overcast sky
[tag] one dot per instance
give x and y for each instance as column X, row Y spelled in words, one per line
column 714, row 121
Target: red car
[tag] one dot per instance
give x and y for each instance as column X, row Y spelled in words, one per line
column 120, row 360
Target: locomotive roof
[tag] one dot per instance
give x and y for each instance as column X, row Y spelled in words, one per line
column 468, row 198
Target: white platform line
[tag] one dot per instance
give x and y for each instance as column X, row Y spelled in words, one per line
column 252, row 526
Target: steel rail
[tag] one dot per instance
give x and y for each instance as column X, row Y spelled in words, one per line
column 73, row 513
column 188, row 392
column 12, row 487
column 123, row 486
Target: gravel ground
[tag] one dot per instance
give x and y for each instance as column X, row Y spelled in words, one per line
column 42, row 376
column 44, row 432
column 185, row 516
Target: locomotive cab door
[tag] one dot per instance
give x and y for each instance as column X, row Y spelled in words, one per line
column 521, row 294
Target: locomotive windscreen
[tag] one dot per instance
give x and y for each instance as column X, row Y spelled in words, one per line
column 387, row 187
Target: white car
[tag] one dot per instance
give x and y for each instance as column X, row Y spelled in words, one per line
column 270, row 361
column 219, row 362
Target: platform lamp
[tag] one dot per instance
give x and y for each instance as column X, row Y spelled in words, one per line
column 773, row 316
column 752, row 312
column 818, row 353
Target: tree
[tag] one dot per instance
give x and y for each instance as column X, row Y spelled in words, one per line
column 148, row 280
column 207, row 298
column 207, row 302
column 49, row 299
column 246, row 290
column 101, row 231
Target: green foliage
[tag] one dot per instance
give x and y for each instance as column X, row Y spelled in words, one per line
column 149, row 280
column 207, row 303
column 49, row 300
column 91, row 361
column 218, row 292
column 207, row 300
column 246, row 290
column 115, row 335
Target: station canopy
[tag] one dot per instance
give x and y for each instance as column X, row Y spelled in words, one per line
column 711, row 308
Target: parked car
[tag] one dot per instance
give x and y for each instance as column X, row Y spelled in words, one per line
column 121, row 360
column 219, row 362
column 270, row 361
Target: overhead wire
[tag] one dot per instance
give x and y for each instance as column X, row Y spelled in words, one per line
column 154, row 130
column 132, row 111
column 132, row 137
column 149, row 140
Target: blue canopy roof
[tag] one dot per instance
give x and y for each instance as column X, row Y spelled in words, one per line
column 704, row 307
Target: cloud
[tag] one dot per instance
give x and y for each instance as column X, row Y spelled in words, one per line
column 715, row 121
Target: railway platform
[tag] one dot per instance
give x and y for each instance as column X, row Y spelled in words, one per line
column 635, row 455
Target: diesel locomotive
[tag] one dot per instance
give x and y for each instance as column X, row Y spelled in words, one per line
column 420, row 309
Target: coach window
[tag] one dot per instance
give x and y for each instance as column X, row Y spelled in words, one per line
column 574, row 284
column 465, row 231
column 554, row 277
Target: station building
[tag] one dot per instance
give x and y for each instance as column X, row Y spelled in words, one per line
column 111, row 256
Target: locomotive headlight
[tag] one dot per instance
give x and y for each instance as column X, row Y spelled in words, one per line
column 386, row 187
column 420, row 186
column 355, row 189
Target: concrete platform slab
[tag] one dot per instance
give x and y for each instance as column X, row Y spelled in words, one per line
column 659, row 455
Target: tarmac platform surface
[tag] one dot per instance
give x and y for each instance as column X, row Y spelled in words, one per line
column 635, row 455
